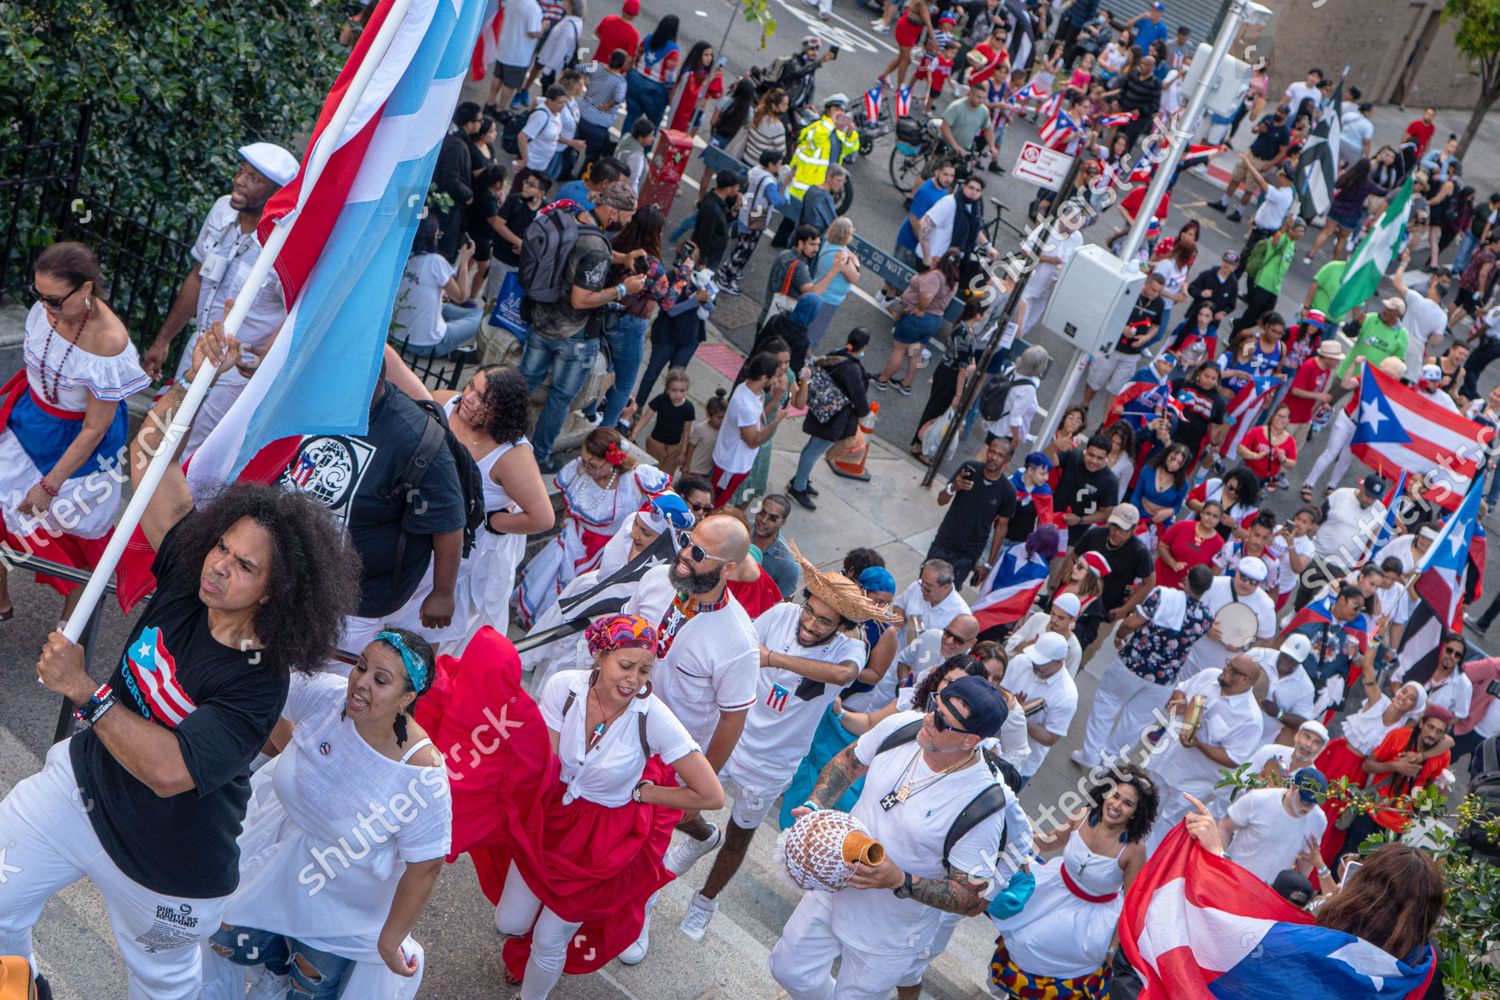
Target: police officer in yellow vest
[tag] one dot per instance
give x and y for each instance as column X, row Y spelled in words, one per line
column 822, row 143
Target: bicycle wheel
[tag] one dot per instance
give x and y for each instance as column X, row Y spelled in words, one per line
column 846, row 196
column 906, row 171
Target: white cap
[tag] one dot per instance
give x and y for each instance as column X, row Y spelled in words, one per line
column 271, row 161
column 1297, row 646
column 1432, row 373
column 1428, row 532
column 1048, row 648
column 1067, row 603
column 1252, row 568
column 1316, row 728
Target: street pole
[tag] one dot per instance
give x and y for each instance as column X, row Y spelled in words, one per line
column 1178, row 133
column 1038, row 239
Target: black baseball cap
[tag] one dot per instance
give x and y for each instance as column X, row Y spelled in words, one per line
column 1374, row 485
column 986, row 708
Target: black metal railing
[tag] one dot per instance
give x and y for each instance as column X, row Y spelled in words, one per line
column 45, row 197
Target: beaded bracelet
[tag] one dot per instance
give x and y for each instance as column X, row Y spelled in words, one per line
column 47, row 488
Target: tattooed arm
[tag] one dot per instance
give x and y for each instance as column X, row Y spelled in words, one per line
column 954, row 894
column 841, row 772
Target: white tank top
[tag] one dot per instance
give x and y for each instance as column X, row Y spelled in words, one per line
column 495, row 497
column 1095, row 874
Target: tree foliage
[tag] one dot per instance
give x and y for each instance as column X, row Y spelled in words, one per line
column 176, row 87
column 1477, row 37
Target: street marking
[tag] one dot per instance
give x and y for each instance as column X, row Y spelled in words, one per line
column 852, row 37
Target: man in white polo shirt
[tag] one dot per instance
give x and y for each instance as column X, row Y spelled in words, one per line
column 1243, row 586
column 932, row 600
column 1289, row 697
column 1270, row 827
column 808, row 653
column 1039, row 673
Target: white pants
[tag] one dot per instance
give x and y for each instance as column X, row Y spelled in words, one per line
column 521, row 911
column 1172, row 808
column 1111, row 372
column 1124, row 705
column 1335, row 453
column 947, row 924
column 806, row 951
column 357, row 633
column 1036, row 304
column 48, row 844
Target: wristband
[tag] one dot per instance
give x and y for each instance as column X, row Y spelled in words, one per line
column 47, row 487
column 810, row 804
column 100, row 702
column 621, row 291
column 635, row 793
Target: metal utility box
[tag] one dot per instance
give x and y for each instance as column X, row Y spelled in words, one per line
column 1093, row 298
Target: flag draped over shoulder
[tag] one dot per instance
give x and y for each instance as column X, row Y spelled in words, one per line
column 1397, row 429
column 1200, row 927
column 1373, row 258
column 1318, row 161
column 1010, row 589
column 351, row 235
column 1442, row 579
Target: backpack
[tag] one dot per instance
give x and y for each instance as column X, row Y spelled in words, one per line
column 511, row 124
column 1257, row 259
column 997, row 392
column 545, row 250
column 435, row 435
column 825, row 400
column 982, row 806
column 1484, row 783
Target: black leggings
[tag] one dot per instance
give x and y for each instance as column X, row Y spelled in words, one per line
column 944, row 383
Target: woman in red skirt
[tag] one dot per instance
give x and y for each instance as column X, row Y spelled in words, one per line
column 567, row 805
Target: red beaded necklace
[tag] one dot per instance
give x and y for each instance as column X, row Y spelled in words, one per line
column 53, row 393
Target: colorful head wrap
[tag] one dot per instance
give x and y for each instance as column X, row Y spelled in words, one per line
column 666, row 511
column 416, row 667
column 619, row 632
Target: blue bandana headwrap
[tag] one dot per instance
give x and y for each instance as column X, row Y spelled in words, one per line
column 416, row 669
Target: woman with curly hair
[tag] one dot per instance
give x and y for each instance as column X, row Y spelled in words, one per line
column 491, row 416
column 600, row 488
column 146, row 800
column 341, row 925
column 1060, row 942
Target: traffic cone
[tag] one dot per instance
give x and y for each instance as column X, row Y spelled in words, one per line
column 847, row 458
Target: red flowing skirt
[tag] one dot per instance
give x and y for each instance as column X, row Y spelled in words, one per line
column 1338, row 760
column 585, row 862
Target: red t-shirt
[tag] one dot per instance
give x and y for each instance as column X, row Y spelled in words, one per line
column 1394, row 744
column 1421, row 132
column 994, row 62
column 1257, row 438
column 758, row 596
column 614, row 32
column 1312, row 377
column 1181, row 540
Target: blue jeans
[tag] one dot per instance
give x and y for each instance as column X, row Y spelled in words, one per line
column 814, row 449
column 627, row 342
column 462, row 327
column 286, row 956
column 568, row 362
column 666, row 352
column 1467, row 244
column 644, row 97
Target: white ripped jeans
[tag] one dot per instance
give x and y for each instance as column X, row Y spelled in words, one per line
column 520, row 911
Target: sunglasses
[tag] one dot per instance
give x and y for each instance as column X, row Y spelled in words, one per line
column 51, row 301
column 697, row 553
column 952, row 636
column 941, row 723
column 701, row 509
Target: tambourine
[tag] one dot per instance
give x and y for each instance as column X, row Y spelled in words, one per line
column 1238, row 625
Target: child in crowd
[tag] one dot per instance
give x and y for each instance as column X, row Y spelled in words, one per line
column 698, row 457
column 937, row 69
column 1083, row 73
column 668, row 440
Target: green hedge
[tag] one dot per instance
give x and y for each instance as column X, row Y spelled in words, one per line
column 176, row 86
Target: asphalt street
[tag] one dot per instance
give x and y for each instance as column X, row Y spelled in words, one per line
column 74, row 939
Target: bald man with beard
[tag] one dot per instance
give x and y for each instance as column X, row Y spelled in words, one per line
column 707, row 665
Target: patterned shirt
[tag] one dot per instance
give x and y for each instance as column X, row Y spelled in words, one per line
column 1157, row 653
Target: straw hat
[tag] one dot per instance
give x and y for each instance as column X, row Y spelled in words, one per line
column 840, row 593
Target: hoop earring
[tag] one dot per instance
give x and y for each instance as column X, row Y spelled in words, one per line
column 400, row 727
column 645, row 692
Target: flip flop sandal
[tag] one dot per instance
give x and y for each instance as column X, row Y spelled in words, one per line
column 1307, row 494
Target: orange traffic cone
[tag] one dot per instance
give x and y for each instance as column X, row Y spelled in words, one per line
column 847, row 458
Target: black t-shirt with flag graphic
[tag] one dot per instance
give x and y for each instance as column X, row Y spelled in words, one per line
column 220, row 703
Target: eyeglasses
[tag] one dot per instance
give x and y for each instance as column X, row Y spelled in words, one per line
column 818, row 620
column 697, row 553
column 51, row 301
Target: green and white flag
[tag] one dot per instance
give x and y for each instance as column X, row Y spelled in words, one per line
column 1375, row 254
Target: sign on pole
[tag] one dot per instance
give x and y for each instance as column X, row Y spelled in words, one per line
column 1041, row 166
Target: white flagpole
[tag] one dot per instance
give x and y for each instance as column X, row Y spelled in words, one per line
column 328, row 140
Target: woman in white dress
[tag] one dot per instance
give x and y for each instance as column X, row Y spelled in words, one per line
column 63, row 421
column 1059, row 944
column 490, row 416
column 327, row 899
column 600, row 488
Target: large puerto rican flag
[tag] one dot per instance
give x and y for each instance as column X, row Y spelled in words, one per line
column 1197, row 926
column 1010, row 589
column 1244, row 410
column 1443, row 574
column 1396, row 429
column 352, row 232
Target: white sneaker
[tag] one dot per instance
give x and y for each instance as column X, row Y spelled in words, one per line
column 1078, row 758
column 700, row 912
column 684, row 854
column 636, row 953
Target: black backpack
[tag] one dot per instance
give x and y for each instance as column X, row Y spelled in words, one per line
column 997, row 390
column 435, row 435
column 511, row 124
column 545, row 249
column 982, row 806
column 1484, row 783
